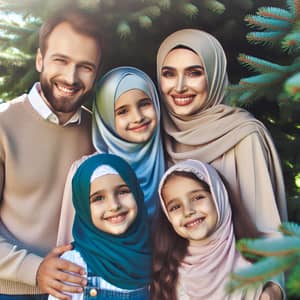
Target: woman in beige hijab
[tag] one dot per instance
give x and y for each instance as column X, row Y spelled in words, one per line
column 194, row 249
column 191, row 70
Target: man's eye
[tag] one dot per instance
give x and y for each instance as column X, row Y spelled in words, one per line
column 59, row 60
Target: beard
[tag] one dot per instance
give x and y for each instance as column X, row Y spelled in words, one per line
column 63, row 104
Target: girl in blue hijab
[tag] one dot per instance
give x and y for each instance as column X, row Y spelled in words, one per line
column 126, row 122
column 110, row 230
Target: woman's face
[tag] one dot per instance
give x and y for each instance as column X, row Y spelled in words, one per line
column 183, row 82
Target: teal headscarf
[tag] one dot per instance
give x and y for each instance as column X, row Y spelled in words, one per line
column 147, row 159
column 122, row 260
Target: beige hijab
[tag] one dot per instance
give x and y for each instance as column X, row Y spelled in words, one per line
column 204, row 272
column 216, row 129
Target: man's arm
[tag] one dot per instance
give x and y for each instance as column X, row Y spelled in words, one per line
column 56, row 275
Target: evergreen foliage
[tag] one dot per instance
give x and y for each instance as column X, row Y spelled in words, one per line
column 120, row 20
column 273, row 93
column 275, row 256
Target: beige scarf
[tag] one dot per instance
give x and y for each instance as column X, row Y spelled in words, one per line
column 204, row 272
column 215, row 131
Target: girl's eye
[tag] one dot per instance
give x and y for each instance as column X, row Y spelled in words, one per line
column 122, row 111
column 198, row 197
column 97, row 198
column 145, row 103
column 124, row 191
column 173, row 208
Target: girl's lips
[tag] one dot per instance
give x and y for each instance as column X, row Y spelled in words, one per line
column 118, row 218
column 194, row 223
column 140, row 127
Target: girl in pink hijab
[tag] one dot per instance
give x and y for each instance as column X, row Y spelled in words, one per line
column 194, row 246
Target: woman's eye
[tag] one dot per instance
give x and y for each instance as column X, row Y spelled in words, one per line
column 195, row 73
column 167, row 73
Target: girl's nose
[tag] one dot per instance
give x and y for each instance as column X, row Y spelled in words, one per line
column 189, row 210
column 137, row 116
column 114, row 204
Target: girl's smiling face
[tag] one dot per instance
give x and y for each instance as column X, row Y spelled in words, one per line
column 183, row 82
column 190, row 207
column 113, row 207
column 135, row 116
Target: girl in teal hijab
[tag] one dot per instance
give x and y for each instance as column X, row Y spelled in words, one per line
column 123, row 124
column 110, row 230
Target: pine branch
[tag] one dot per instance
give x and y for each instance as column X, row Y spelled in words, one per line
column 290, row 229
column 275, row 13
column 265, row 38
column 270, row 246
column 294, row 7
column 259, row 65
column 269, row 24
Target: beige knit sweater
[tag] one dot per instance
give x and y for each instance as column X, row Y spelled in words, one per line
column 35, row 156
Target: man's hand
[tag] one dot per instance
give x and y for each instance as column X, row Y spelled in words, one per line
column 54, row 275
column 271, row 292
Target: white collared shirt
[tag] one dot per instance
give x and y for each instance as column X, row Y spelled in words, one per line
column 44, row 111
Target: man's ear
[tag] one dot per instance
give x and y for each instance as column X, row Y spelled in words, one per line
column 39, row 60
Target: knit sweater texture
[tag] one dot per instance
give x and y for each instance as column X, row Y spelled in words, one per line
column 35, row 156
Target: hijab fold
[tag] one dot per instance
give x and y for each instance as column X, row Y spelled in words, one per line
column 204, row 272
column 122, row 260
column 147, row 159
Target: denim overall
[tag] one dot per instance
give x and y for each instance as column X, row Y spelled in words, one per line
column 92, row 291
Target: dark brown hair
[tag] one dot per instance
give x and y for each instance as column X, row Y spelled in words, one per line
column 82, row 21
column 169, row 249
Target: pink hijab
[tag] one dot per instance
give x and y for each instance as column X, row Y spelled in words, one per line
column 203, row 273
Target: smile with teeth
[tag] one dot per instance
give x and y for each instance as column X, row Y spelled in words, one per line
column 116, row 219
column 67, row 90
column 182, row 101
column 194, row 223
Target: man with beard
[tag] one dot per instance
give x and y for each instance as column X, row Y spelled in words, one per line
column 41, row 134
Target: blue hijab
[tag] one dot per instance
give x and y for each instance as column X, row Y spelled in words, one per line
column 147, row 159
column 122, row 260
